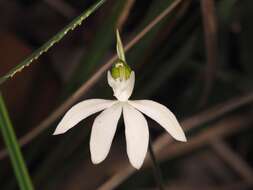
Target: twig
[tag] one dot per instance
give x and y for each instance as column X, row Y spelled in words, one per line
column 210, row 29
column 222, row 129
column 124, row 15
column 153, row 23
column 233, row 159
column 45, row 124
column 165, row 31
column 156, row 168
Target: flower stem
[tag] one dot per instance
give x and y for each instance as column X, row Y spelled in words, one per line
column 156, row 169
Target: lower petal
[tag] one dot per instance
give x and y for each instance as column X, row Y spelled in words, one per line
column 103, row 131
column 161, row 115
column 137, row 135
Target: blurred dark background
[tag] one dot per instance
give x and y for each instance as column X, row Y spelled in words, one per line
column 197, row 61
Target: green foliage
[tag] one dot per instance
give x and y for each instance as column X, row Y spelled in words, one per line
column 12, row 145
column 56, row 38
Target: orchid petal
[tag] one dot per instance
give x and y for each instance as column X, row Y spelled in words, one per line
column 137, row 135
column 103, row 131
column 80, row 111
column 161, row 115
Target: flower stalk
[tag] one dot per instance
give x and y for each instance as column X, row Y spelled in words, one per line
column 156, row 169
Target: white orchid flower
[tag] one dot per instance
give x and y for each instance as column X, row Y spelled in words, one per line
column 121, row 80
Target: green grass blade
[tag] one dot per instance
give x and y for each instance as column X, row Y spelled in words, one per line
column 12, row 145
column 56, row 38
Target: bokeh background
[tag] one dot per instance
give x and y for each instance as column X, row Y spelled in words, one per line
column 197, row 61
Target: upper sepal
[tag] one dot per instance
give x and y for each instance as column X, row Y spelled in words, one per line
column 119, row 47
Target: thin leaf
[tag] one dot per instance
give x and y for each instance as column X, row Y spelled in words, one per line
column 13, row 148
column 44, row 48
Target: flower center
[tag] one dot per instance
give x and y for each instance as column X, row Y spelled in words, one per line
column 120, row 70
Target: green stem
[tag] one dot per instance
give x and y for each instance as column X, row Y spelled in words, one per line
column 13, row 148
column 156, row 169
column 56, row 38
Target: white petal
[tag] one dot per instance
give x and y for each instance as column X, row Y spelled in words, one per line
column 161, row 115
column 80, row 111
column 137, row 135
column 122, row 90
column 103, row 130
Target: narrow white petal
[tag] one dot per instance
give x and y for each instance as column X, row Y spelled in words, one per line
column 79, row 112
column 161, row 115
column 103, row 130
column 137, row 135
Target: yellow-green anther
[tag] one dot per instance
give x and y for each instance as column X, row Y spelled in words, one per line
column 120, row 70
column 119, row 47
